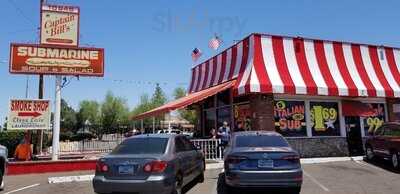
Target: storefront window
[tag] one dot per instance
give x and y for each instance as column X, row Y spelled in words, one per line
column 325, row 119
column 209, row 118
column 290, row 118
column 223, row 98
column 242, row 114
column 375, row 121
column 209, row 102
column 224, row 114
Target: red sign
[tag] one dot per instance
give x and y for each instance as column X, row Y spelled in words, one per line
column 53, row 60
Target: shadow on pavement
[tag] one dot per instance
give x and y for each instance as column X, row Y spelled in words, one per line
column 382, row 163
column 222, row 188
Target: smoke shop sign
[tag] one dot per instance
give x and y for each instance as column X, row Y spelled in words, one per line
column 39, row 59
column 290, row 118
column 59, row 25
column 29, row 114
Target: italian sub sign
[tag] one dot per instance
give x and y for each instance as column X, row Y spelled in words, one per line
column 59, row 25
column 29, row 115
column 41, row 59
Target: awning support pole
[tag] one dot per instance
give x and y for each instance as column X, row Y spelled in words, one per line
column 154, row 124
column 141, row 125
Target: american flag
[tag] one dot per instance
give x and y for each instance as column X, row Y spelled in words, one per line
column 215, row 42
column 196, row 54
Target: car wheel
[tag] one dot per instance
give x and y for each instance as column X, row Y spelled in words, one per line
column 178, row 186
column 1, row 181
column 296, row 190
column 395, row 160
column 200, row 178
column 369, row 153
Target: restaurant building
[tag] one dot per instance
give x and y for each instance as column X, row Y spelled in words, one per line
column 324, row 96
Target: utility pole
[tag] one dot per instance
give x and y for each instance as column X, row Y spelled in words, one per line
column 40, row 96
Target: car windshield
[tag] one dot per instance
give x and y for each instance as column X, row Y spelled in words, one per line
column 141, row 146
column 260, row 141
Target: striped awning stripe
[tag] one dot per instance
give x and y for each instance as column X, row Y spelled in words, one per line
column 288, row 65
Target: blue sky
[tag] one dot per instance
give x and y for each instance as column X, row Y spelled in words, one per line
column 151, row 41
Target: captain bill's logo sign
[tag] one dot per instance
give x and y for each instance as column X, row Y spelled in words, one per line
column 59, row 25
column 38, row 59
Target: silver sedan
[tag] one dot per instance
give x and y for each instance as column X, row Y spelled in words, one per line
column 262, row 159
column 145, row 164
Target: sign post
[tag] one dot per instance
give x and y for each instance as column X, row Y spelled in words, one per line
column 57, row 118
column 57, row 54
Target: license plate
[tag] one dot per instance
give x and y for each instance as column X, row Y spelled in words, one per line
column 265, row 163
column 126, row 169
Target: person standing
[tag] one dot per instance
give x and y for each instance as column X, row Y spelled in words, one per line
column 224, row 133
column 23, row 152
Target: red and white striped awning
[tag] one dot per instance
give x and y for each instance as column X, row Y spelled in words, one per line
column 287, row 65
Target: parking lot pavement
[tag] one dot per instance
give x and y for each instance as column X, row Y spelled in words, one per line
column 350, row 177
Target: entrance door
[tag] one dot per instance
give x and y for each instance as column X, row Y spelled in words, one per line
column 354, row 139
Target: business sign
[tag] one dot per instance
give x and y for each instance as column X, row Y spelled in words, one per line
column 59, row 25
column 290, row 118
column 40, row 59
column 324, row 118
column 29, row 115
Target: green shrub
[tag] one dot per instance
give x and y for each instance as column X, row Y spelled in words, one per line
column 11, row 139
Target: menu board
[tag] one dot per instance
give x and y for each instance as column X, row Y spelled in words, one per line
column 290, row 118
column 325, row 119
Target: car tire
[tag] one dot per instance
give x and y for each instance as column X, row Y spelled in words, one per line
column 369, row 153
column 178, row 185
column 1, row 180
column 395, row 160
column 296, row 190
column 200, row 178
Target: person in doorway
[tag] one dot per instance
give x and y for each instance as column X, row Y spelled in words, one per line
column 239, row 126
column 23, row 152
column 213, row 133
column 224, row 133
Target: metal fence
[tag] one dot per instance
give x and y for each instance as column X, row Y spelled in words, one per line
column 210, row 147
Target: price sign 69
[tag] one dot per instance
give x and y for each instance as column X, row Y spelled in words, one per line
column 321, row 115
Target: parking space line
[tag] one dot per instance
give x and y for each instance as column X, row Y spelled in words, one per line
column 368, row 165
column 68, row 179
column 316, row 182
column 23, row 188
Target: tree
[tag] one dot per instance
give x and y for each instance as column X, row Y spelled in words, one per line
column 158, row 98
column 68, row 117
column 114, row 113
column 89, row 110
column 189, row 115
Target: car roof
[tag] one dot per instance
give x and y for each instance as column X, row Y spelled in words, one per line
column 253, row 133
column 156, row 135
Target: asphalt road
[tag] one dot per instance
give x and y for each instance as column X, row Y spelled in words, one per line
column 351, row 177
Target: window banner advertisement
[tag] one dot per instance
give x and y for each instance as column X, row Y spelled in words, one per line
column 325, row 119
column 243, row 114
column 290, row 118
column 373, row 122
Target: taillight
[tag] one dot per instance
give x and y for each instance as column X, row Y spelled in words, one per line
column 101, row 166
column 155, row 166
column 235, row 159
column 292, row 158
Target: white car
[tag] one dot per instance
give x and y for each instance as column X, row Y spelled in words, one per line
column 3, row 165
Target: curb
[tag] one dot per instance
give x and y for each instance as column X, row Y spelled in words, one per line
column 38, row 167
